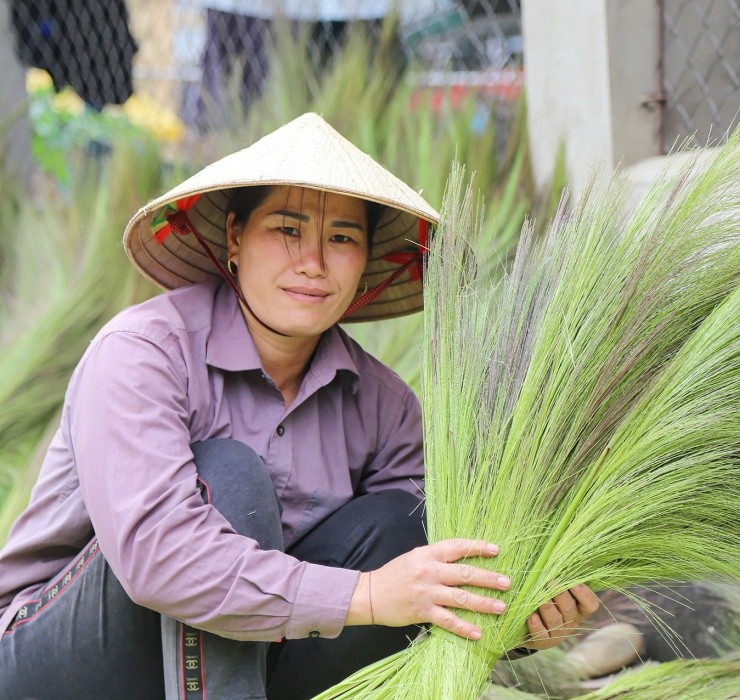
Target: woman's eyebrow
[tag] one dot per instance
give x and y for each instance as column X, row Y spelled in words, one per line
column 305, row 219
column 292, row 215
column 346, row 224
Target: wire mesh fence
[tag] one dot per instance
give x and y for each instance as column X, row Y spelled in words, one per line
column 189, row 53
column 701, row 68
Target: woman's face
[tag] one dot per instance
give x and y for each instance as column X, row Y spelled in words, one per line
column 300, row 255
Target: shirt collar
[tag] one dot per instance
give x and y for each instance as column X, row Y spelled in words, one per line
column 230, row 345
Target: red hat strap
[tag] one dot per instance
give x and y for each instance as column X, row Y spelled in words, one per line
column 180, row 224
column 375, row 292
column 413, row 259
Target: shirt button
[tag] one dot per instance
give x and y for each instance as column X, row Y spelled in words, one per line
column 314, row 633
column 280, row 430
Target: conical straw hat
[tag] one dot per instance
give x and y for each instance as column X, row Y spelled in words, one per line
column 306, row 152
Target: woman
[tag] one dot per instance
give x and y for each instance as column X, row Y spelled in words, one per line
column 229, row 461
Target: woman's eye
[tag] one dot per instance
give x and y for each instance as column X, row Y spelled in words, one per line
column 288, row 230
column 341, row 238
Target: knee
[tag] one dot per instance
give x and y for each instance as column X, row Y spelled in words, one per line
column 393, row 523
column 227, row 467
column 400, row 516
column 237, row 483
column 219, row 454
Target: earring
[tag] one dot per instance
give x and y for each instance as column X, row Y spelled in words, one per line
column 231, row 267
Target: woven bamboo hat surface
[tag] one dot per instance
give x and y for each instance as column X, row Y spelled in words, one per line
column 306, row 152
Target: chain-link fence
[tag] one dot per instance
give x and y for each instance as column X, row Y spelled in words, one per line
column 186, row 53
column 471, row 43
column 700, row 69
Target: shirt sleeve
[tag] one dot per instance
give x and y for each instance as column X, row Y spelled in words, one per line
column 399, row 464
column 128, row 429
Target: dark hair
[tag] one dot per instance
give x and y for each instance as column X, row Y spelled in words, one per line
column 244, row 200
column 373, row 212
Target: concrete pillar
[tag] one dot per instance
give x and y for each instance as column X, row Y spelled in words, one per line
column 589, row 65
column 15, row 139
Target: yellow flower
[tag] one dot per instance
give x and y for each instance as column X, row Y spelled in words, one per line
column 144, row 111
column 37, row 80
column 68, row 101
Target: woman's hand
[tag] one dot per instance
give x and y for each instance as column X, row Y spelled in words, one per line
column 423, row 586
column 561, row 617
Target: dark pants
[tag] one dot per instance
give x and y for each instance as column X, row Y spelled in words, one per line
column 89, row 640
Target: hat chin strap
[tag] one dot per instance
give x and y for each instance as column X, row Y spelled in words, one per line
column 372, row 294
column 239, row 294
column 181, row 225
column 407, row 260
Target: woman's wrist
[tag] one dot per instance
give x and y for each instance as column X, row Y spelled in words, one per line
column 360, row 610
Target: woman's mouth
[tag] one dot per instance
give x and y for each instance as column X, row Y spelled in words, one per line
column 308, row 295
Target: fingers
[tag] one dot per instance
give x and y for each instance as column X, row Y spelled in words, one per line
column 586, row 600
column 540, row 635
column 445, row 599
column 446, row 619
column 467, row 575
column 449, row 581
column 429, row 583
column 551, row 615
column 561, row 613
column 538, row 632
column 560, row 617
column 567, row 609
column 451, row 597
column 452, row 550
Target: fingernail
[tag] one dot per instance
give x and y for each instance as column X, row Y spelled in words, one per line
column 498, row 606
column 493, row 548
column 503, row 582
column 474, row 635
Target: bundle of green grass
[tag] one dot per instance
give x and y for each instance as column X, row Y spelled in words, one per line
column 684, row 679
column 583, row 412
column 718, row 679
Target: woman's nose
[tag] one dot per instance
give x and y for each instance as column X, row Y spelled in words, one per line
column 310, row 260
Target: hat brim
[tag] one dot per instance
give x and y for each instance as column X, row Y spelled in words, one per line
column 175, row 260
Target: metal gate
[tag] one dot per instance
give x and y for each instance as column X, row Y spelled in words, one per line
column 700, row 65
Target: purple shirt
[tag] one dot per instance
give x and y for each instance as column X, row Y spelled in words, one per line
column 179, row 369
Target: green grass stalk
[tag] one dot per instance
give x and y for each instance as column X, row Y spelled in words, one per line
column 718, row 679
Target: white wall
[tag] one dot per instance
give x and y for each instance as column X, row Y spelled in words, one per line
column 588, row 66
column 15, row 144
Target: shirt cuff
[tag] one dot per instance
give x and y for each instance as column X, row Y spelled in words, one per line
column 322, row 601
